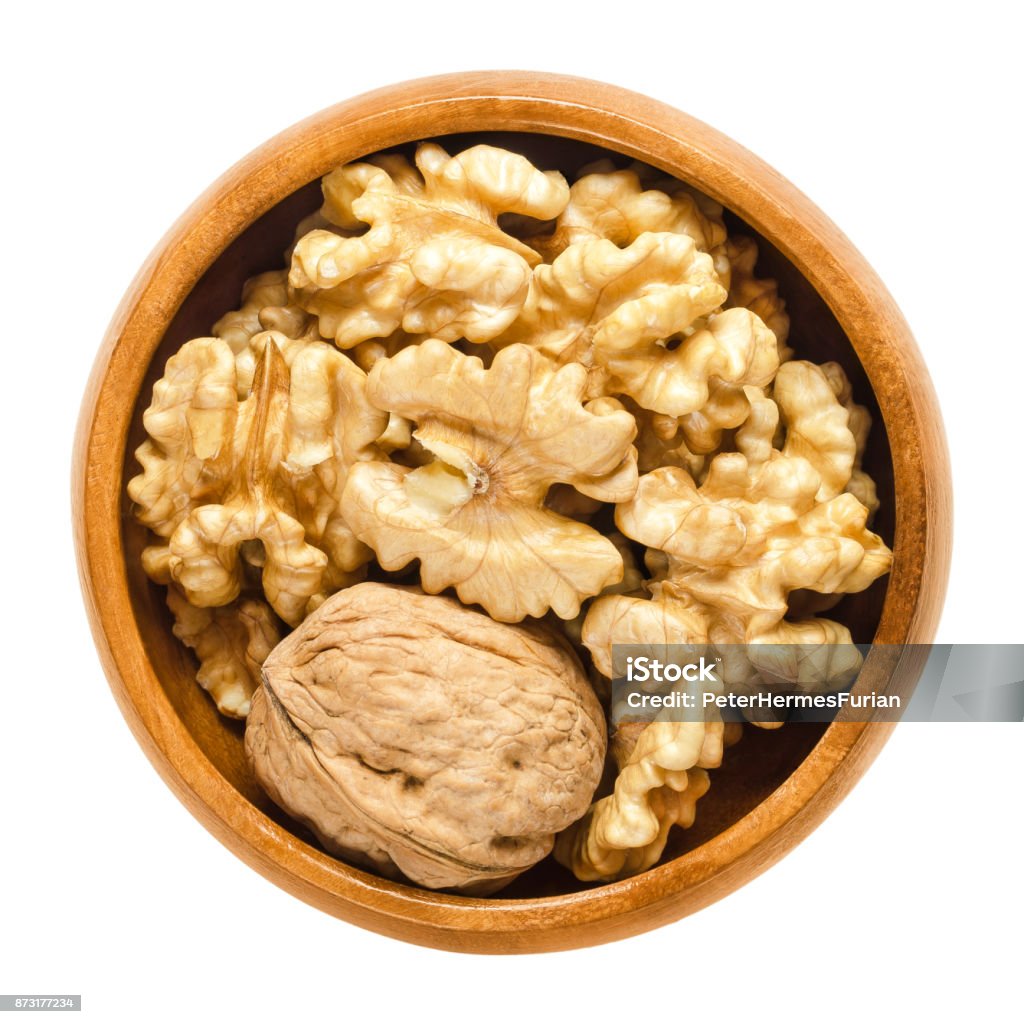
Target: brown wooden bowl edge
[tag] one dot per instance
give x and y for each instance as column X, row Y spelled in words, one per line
column 183, row 768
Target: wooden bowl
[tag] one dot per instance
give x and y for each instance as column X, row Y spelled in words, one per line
column 774, row 788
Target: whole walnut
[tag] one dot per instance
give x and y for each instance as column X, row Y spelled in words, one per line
column 414, row 735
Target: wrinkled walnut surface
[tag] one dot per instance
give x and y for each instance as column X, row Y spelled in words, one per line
column 415, row 735
column 474, row 516
column 434, row 261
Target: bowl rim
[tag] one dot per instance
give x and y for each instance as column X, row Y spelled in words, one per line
column 684, row 147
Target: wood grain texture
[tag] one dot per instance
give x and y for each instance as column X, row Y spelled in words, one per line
column 236, row 228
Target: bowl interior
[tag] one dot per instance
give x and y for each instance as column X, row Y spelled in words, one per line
column 754, row 768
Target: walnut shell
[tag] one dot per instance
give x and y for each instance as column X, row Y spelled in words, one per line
column 414, row 735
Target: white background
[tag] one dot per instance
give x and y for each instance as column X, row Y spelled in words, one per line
column 903, row 127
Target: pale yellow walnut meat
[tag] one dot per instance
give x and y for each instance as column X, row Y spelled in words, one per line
column 631, row 583
column 188, row 455
column 231, row 643
column 641, row 622
column 344, row 186
column 816, row 425
column 759, row 295
column 235, row 485
column 595, row 292
column 709, row 208
column 206, row 548
column 415, row 735
column 623, row 204
column 741, row 542
column 635, row 318
column 398, row 434
column 331, row 217
column 861, row 486
column 732, row 552
column 434, row 260
column 331, row 427
column 763, row 524
column 248, row 359
column 366, row 353
column 614, row 204
column 806, row 412
column 729, row 406
column 734, row 548
column 661, row 764
column 266, row 306
column 266, row 309
column 499, row 438
column 264, row 291
column 297, row 436
column 660, row 442
column 756, row 436
column 651, row 177
column 661, row 778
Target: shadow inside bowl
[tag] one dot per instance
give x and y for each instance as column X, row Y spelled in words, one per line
column 754, row 768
